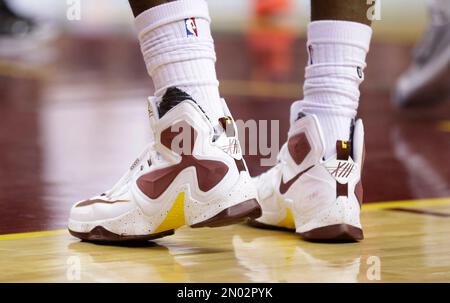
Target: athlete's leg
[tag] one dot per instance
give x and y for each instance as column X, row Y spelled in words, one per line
column 316, row 186
column 346, row 10
column 193, row 172
column 139, row 6
column 178, row 49
column 338, row 40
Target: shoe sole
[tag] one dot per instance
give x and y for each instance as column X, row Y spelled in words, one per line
column 234, row 214
column 101, row 234
column 238, row 213
column 338, row 233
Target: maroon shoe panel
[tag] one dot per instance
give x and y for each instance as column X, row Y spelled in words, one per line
column 299, row 147
column 209, row 172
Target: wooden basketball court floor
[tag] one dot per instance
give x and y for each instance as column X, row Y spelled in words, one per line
column 69, row 129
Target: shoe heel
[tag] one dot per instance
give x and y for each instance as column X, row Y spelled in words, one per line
column 338, row 221
column 238, row 213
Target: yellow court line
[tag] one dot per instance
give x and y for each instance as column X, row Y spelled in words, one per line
column 366, row 207
column 444, row 126
column 406, row 203
column 34, row 234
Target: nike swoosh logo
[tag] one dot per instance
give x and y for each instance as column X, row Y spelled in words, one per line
column 284, row 187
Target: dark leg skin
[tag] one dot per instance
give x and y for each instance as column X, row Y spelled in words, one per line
column 346, row 10
column 138, row 6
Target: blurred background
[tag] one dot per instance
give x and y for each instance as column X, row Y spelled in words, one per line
column 401, row 18
column 73, row 97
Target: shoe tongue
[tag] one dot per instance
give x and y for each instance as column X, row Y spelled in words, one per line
column 172, row 97
column 158, row 107
column 296, row 112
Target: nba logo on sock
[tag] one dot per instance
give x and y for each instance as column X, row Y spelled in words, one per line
column 191, row 27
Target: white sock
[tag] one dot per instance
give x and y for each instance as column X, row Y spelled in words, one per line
column 178, row 50
column 337, row 53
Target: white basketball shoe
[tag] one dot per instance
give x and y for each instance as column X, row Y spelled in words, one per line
column 319, row 198
column 192, row 174
column 427, row 80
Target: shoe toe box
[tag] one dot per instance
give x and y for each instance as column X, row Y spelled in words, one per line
column 99, row 209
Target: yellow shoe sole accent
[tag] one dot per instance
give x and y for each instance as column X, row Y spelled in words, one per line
column 175, row 217
column 288, row 221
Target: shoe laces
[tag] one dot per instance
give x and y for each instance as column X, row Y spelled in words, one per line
column 148, row 157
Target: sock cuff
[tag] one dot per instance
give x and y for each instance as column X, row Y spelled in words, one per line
column 337, row 31
column 338, row 110
column 171, row 12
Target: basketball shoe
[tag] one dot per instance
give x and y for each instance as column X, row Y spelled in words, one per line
column 319, row 198
column 191, row 174
column 427, row 79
